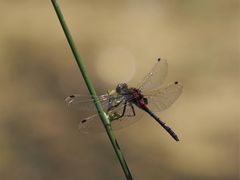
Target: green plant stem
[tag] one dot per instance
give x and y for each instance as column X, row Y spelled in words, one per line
column 92, row 91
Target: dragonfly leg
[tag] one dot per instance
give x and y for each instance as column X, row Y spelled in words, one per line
column 124, row 111
column 110, row 102
column 114, row 106
column 117, row 115
column 133, row 111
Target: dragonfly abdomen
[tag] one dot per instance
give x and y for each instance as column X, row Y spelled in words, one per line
column 163, row 124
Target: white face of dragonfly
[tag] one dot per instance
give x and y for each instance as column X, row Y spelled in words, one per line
column 122, row 88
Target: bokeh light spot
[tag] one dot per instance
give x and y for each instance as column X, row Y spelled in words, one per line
column 115, row 64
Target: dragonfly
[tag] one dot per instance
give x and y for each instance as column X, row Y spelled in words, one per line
column 125, row 105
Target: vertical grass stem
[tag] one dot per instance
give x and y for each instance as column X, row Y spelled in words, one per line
column 92, row 91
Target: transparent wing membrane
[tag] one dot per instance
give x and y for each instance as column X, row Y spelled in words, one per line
column 78, row 99
column 93, row 124
column 162, row 98
column 155, row 77
column 85, row 102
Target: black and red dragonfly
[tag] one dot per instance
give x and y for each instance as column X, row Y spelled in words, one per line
column 119, row 104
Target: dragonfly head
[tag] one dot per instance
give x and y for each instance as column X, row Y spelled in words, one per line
column 122, row 88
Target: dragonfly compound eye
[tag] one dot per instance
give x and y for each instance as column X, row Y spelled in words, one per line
column 121, row 88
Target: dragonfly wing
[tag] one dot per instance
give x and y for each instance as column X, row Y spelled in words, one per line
column 155, row 77
column 86, row 102
column 93, row 123
column 162, row 98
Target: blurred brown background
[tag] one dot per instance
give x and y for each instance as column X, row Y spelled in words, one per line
column 119, row 41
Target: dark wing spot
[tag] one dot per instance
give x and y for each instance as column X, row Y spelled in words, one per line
column 176, row 82
column 72, row 96
column 159, row 59
column 83, row 121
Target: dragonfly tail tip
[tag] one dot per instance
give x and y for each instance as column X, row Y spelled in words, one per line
column 176, row 138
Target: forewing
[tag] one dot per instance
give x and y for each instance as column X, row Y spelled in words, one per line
column 86, row 102
column 162, row 98
column 155, row 77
